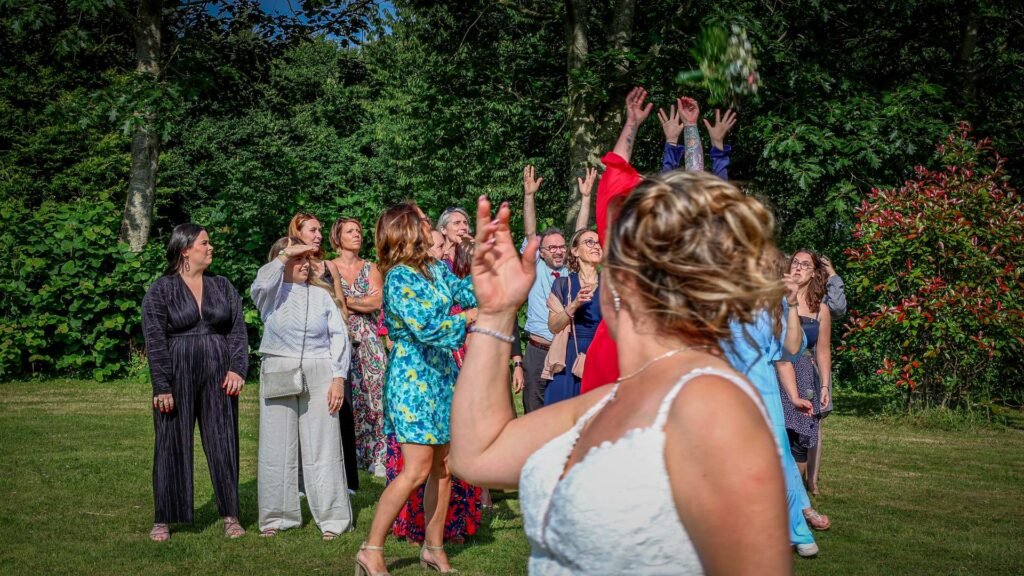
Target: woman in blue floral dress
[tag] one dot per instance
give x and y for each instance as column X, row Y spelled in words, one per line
column 419, row 291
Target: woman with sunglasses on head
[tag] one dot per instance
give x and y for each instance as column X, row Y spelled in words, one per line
column 198, row 354
column 419, row 292
column 304, row 331
column 307, row 228
column 573, row 307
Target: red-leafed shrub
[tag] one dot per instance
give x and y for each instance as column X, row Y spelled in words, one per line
column 936, row 270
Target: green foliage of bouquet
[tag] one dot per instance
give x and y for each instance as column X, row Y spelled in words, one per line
column 728, row 69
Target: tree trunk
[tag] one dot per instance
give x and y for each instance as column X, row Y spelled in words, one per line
column 967, row 45
column 594, row 119
column 138, row 208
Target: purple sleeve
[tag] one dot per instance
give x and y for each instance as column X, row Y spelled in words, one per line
column 720, row 162
column 672, row 156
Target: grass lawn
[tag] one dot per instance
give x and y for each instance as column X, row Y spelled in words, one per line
column 75, row 498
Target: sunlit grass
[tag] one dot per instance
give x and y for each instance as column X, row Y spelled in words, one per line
column 75, row 498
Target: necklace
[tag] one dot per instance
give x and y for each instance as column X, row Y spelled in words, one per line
column 648, row 364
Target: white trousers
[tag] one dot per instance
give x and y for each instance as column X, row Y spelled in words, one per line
column 285, row 425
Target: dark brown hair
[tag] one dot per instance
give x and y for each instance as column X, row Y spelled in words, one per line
column 816, row 287
column 462, row 262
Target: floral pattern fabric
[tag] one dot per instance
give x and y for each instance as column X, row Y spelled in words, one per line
column 369, row 364
column 421, row 369
column 463, row 509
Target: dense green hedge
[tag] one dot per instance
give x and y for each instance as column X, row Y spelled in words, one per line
column 70, row 294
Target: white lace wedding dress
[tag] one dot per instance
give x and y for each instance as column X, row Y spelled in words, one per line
column 613, row 512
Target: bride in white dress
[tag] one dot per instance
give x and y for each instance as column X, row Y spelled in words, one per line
column 673, row 468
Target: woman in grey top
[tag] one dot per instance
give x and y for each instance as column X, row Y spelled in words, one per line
column 302, row 324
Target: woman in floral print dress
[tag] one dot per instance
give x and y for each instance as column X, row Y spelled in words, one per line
column 418, row 293
column 362, row 283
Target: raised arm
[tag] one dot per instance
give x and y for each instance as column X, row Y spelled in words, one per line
column 586, row 186
column 636, row 113
column 835, row 291
column 672, row 126
column 690, row 111
column 270, row 277
column 489, row 444
column 794, row 339
column 719, row 150
column 531, row 184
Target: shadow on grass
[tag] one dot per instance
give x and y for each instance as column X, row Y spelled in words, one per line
column 860, row 405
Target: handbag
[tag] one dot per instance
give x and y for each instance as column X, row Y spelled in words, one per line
column 292, row 382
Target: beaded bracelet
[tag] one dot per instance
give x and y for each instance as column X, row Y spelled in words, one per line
column 503, row 337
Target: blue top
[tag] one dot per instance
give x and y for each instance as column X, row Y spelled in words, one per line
column 588, row 316
column 753, row 350
column 537, row 303
column 421, row 369
column 673, row 156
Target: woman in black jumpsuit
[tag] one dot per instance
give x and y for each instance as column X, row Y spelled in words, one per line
column 197, row 349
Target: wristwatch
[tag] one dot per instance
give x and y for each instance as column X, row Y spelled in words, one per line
column 517, row 363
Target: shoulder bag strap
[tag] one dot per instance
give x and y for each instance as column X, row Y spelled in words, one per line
column 572, row 319
column 302, row 351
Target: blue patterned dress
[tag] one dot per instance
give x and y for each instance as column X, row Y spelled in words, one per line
column 421, row 370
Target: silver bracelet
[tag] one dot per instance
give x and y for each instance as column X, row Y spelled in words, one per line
column 503, row 337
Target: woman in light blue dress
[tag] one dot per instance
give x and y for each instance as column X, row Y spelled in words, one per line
column 753, row 350
column 419, row 291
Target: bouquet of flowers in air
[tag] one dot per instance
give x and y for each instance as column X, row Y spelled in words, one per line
column 728, row 68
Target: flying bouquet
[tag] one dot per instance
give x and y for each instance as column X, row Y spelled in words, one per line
column 728, row 68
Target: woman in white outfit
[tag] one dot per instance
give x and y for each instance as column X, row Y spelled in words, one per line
column 672, row 469
column 302, row 325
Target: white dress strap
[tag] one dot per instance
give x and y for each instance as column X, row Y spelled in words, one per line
column 666, row 404
column 593, row 410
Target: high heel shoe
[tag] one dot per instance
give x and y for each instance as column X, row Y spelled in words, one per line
column 361, row 569
column 429, row 565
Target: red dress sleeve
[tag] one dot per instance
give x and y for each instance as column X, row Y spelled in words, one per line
column 618, row 180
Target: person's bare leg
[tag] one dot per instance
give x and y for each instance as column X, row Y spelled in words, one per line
column 418, row 461
column 436, row 498
column 814, row 462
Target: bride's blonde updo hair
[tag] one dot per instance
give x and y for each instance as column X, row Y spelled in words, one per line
column 694, row 252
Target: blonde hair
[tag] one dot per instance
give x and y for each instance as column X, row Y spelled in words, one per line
column 295, row 230
column 402, row 238
column 695, row 251
column 312, row 280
